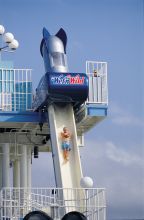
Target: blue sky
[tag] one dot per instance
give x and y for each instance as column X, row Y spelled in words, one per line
column 100, row 30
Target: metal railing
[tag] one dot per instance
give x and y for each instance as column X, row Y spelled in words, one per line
column 15, row 89
column 98, row 88
column 15, row 203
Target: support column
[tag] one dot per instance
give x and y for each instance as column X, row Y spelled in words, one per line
column 29, row 166
column 0, row 171
column 5, row 165
column 23, row 166
column 16, row 173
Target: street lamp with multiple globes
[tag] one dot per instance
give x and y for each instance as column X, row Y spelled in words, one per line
column 11, row 43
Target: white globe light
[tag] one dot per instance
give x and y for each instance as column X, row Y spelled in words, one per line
column 2, row 29
column 8, row 37
column 86, row 182
column 14, row 44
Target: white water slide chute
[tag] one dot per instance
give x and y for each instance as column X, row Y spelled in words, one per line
column 67, row 174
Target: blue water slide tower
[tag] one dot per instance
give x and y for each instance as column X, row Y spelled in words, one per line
column 33, row 123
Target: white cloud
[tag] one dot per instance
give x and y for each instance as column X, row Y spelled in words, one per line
column 113, row 152
column 127, row 120
column 122, row 156
column 115, row 109
column 120, row 170
column 122, row 117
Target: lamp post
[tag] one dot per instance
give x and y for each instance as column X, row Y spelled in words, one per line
column 10, row 43
column 86, row 183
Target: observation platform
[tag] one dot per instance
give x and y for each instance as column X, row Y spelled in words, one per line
column 24, row 133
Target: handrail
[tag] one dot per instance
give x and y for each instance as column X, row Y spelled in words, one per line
column 17, row 202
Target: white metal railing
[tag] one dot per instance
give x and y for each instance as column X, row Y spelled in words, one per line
column 15, row 203
column 98, row 88
column 15, row 89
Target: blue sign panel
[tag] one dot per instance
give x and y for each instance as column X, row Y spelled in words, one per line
column 70, row 85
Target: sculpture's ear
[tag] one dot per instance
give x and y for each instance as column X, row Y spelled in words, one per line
column 46, row 34
column 62, row 35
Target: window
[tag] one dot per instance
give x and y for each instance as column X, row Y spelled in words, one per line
column 57, row 59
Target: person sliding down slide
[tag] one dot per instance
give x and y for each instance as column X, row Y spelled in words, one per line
column 66, row 147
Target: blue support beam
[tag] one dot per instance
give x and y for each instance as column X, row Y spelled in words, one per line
column 36, row 117
column 15, row 116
